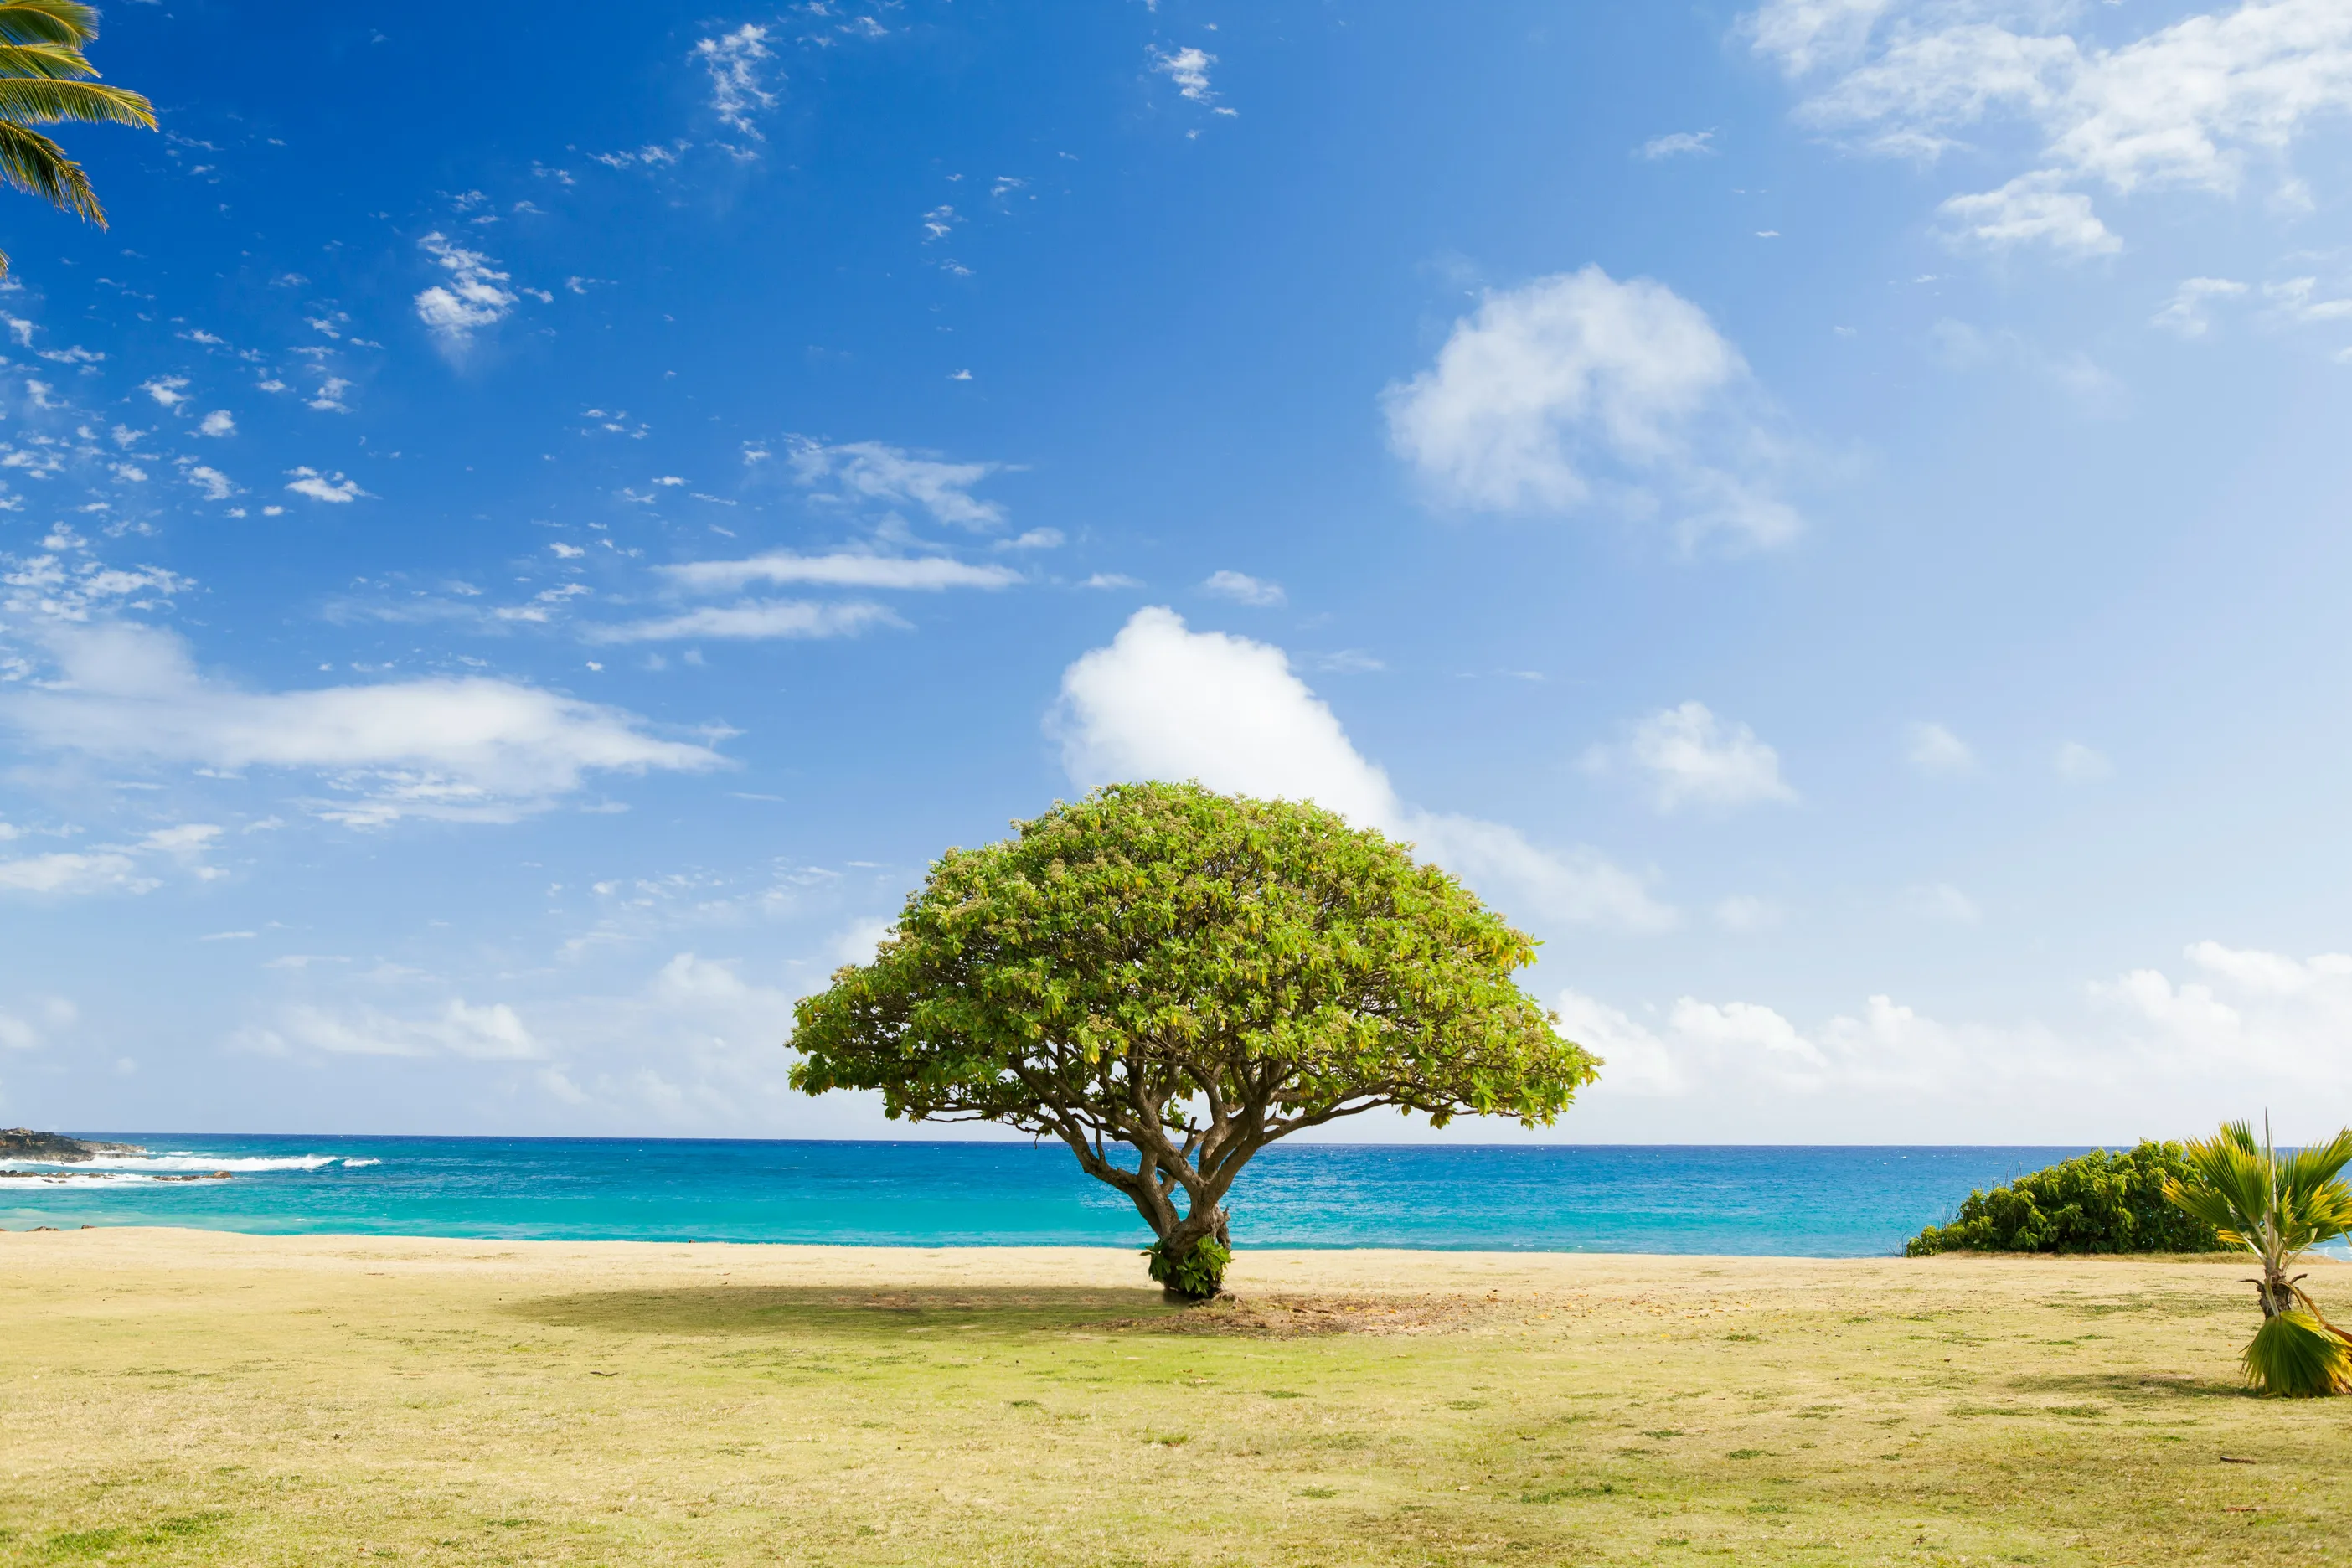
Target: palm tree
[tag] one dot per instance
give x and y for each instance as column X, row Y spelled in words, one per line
column 2278, row 1208
column 43, row 79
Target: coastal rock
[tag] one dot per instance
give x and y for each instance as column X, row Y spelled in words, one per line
column 24, row 1144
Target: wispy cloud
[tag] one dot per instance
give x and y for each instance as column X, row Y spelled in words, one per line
column 475, row 296
column 786, row 619
column 839, row 571
column 1243, row 589
column 1679, row 144
column 876, row 471
column 736, row 61
column 336, row 488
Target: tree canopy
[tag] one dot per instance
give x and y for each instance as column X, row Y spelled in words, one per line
column 1192, row 976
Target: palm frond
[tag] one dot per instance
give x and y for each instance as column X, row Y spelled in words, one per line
column 43, row 102
column 48, row 62
column 2296, row 1355
column 31, row 162
column 65, row 22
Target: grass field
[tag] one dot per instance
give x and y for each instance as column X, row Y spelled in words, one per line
column 173, row 1396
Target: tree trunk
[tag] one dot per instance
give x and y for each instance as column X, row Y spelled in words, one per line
column 1179, row 1239
column 2277, row 1295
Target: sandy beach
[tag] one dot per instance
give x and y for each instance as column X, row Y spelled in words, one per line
column 184, row 1397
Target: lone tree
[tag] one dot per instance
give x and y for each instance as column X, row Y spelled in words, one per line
column 1191, row 976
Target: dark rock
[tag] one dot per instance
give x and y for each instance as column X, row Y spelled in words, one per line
column 24, row 1144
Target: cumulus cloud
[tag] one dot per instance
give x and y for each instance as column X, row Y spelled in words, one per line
column 1189, row 69
column 1162, row 702
column 1680, row 144
column 2190, row 105
column 1546, row 394
column 1936, row 751
column 471, row 749
column 892, row 476
column 335, row 488
column 219, row 421
column 215, row 485
column 2029, row 210
column 736, row 62
column 1243, row 589
column 170, row 390
column 773, row 618
column 1690, row 757
column 2160, row 1052
column 843, row 570
column 475, row 296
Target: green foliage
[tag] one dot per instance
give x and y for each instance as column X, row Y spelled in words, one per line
column 1189, row 975
column 45, row 78
column 2298, row 1354
column 2098, row 1201
column 1200, row 1273
column 2277, row 1207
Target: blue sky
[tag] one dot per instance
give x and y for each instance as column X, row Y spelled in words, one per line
column 1831, row 515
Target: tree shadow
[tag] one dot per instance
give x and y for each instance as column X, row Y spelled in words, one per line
column 784, row 1312
column 2134, row 1387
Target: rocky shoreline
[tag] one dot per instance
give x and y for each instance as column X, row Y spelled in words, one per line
column 24, row 1144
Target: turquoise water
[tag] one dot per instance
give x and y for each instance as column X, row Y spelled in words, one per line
column 1802, row 1202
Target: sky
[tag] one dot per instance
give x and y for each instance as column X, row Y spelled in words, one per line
column 1831, row 515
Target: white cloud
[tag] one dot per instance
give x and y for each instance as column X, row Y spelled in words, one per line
column 494, row 1033
column 1111, row 580
column 2294, row 300
column 1165, row 702
column 219, row 421
column 843, row 570
column 873, row 472
column 1189, row 69
column 2078, row 764
column 2152, row 1054
column 2189, row 311
column 1546, row 391
column 215, row 485
column 329, row 398
column 735, row 61
column 2185, row 106
column 1693, row 758
column 309, row 482
column 2029, row 210
column 472, row 749
column 98, row 871
column 1933, row 750
column 1681, row 143
column 170, row 390
column 1245, row 589
column 773, row 618
column 474, row 298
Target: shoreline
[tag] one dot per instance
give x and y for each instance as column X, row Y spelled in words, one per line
column 1353, row 1270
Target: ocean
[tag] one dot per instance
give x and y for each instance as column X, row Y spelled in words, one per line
column 1841, row 1202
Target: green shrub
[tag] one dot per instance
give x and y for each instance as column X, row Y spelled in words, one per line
column 2096, row 1202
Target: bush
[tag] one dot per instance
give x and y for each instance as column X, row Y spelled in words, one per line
column 2096, row 1202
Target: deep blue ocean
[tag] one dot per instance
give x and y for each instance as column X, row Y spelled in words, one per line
column 1802, row 1202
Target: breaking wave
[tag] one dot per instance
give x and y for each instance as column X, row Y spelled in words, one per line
column 156, row 1164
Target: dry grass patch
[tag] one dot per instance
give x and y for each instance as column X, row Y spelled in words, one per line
column 178, row 1398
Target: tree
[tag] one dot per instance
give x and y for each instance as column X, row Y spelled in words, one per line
column 1191, row 976
column 2277, row 1208
column 44, row 79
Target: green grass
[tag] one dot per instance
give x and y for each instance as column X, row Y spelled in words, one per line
column 343, row 1405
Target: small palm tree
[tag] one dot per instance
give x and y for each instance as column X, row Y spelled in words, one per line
column 2278, row 1208
column 43, row 79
